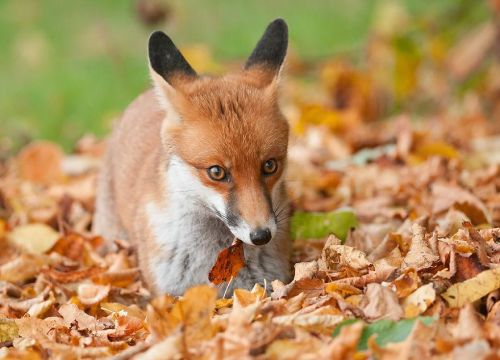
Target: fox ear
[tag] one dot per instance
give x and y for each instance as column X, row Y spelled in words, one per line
column 168, row 69
column 267, row 58
column 166, row 60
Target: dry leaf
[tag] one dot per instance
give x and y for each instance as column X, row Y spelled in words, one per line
column 91, row 294
column 40, row 162
column 419, row 301
column 446, row 196
column 196, row 309
column 473, row 289
column 420, row 255
column 65, row 277
column 22, row 268
column 35, row 238
column 228, row 263
column 39, row 309
column 380, row 302
column 335, row 256
column 468, row 326
column 345, row 343
column 8, row 330
column 167, row 349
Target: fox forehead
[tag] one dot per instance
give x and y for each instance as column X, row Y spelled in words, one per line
column 229, row 122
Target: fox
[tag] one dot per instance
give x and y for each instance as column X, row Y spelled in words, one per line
column 197, row 161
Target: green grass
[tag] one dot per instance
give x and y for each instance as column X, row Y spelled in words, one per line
column 70, row 67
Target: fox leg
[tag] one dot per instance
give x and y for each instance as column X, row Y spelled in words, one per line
column 106, row 222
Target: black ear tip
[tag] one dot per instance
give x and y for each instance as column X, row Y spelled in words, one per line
column 278, row 29
column 157, row 38
column 279, row 24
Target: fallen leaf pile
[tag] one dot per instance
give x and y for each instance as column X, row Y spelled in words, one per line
column 411, row 265
column 396, row 233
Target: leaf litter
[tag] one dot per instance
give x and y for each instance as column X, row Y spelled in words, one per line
column 396, row 236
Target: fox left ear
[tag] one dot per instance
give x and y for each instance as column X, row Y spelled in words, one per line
column 267, row 58
column 166, row 60
column 169, row 70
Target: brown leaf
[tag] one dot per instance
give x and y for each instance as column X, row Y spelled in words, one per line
column 72, row 315
column 24, row 267
column 70, row 246
column 420, row 255
column 345, row 343
column 406, row 283
column 467, row 267
column 228, row 263
column 159, row 318
column 310, row 287
column 91, row 294
column 335, row 257
column 40, row 162
column 468, row 326
column 196, row 309
column 380, row 302
column 479, row 243
column 446, row 196
column 65, row 277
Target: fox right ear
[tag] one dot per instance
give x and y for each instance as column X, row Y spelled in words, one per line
column 267, row 58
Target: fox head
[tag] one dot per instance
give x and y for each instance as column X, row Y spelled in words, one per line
column 226, row 136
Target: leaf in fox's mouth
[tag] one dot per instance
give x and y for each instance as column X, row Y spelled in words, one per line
column 229, row 262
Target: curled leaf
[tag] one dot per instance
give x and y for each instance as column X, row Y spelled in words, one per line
column 90, row 294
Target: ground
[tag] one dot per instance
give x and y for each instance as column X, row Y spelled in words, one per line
column 394, row 178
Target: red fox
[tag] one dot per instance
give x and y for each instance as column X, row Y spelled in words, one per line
column 197, row 161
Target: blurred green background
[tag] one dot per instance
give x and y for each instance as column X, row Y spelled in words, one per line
column 70, row 67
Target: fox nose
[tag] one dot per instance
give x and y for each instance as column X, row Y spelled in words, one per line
column 260, row 236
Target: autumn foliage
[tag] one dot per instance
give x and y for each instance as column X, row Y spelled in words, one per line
column 396, row 235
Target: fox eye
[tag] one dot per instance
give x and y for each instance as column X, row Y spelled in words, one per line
column 270, row 167
column 216, row 173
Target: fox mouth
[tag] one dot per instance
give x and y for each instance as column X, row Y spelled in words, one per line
column 255, row 236
column 241, row 230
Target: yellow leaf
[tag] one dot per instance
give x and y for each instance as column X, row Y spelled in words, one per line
column 35, row 238
column 223, row 303
column 3, row 228
column 8, row 329
column 259, row 291
column 314, row 114
column 472, row 289
column 200, row 57
column 196, row 308
column 437, row 148
column 419, row 300
column 160, row 320
column 342, row 288
column 242, row 297
column 133, row 310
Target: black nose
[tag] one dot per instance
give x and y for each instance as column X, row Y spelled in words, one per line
column 260, row 236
